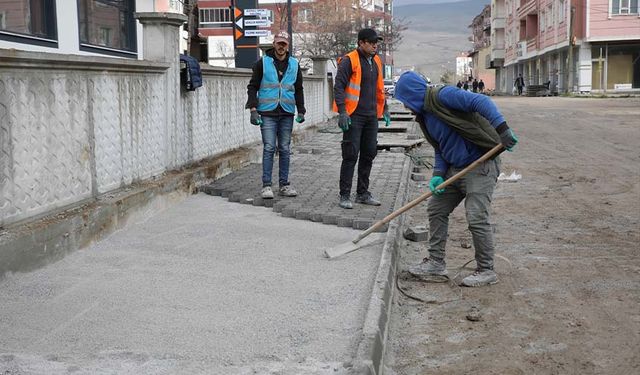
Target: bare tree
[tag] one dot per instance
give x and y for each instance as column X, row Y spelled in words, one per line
column 328, row 28
column 280, row 16
column 225, row 52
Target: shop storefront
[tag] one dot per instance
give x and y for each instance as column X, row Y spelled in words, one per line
column 615, row 66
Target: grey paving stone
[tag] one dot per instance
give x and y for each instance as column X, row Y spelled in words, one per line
column 330, row 219
column 417, row 233
column 279, row 206
column 268, row 202
column 258, row 201
column 316, row 216
column 362, row 224
column 345, row 221
column 303, row 214
column 290, row 210
column 235, row 196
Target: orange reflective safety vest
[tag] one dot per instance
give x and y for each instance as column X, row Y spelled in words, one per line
column 352, row 91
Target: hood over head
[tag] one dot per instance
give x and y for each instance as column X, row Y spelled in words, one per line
column 410, row 90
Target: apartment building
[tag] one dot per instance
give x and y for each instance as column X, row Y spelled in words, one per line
column 481, row 54
column 571, row 45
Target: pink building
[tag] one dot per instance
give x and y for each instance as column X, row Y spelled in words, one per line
column 481, row 34
column 571, row 45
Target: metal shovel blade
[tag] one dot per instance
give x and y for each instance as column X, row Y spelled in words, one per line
column 350, row 246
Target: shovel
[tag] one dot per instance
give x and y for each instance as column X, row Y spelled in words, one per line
column 353, row 245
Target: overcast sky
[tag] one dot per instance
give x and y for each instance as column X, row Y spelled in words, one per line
column 399, row 3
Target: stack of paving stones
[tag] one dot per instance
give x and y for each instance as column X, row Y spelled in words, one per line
column 315, row 173
column 403, row 134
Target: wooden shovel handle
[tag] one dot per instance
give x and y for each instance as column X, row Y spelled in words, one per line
column 426, row 195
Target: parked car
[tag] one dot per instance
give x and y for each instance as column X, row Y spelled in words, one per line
column 389, row 87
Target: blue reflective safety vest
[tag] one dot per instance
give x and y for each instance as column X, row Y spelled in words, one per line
column 272, row 92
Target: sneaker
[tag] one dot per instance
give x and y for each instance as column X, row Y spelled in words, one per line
column 430, row 270
column 480, row 278
column 267, row 193
column 287, row 191
column 345, row 202
column 366, row 198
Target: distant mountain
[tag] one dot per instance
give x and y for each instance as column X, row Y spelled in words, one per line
column 437, row 33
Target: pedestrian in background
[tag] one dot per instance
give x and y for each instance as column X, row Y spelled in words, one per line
column 360, row 102
column 448, row 118
column 481, row 86
column 274, row 92
column 465, row 86
column 459, row 84
column 474, row 85
column 519, row 83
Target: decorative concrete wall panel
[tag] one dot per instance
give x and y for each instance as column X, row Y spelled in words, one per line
column 46, row 150
column 129, row 127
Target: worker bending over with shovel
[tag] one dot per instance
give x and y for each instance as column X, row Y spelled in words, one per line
column 461, row 126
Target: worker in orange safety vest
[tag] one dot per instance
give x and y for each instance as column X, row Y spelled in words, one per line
column 360, row 101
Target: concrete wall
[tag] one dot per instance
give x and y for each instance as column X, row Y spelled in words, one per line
column 73, row 128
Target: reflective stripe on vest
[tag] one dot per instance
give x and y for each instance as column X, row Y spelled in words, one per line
column 352, row 91
column 272, row 92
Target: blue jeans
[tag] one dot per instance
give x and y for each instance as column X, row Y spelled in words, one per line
column 276, row 129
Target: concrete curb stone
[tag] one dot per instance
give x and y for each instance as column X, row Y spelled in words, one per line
column 371, row 348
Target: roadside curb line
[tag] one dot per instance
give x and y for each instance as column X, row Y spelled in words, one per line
column 371, row 348
column 39, row 241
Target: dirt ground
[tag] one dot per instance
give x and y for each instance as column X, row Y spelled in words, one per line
column 567, row 239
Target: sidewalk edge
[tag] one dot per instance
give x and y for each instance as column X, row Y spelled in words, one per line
column 371, row 348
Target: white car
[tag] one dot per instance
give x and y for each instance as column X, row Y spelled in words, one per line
column 389, row 87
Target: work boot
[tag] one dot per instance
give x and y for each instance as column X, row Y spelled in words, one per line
column 366, row 198
column 287, row 191
column 266, row 193
column 345, row 202
column 430, row 270
column 480, row 278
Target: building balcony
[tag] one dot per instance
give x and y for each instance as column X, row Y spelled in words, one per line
column 498, row 53
column 532, row 45
column 491, row 63
column 498, row 23
column 527, row 7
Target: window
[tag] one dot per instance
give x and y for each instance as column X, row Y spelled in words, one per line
column 29, row 21
column 561, row 11
column 107, row 26
column 215, row 16
column 550, row 15
column 624, row 7
column 543, row 19
column 304, row 15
